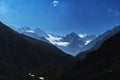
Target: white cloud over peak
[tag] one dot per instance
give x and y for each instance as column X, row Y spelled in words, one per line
column 52, row 38
column 62, row 43
column 82, row 35
column 56, row 41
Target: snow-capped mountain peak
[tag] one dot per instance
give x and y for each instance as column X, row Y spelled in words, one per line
column 71, row 43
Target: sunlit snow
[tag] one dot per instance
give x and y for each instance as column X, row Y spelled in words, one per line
column 31, row 31
column 87, row 42
column 56, row 41
column 82, row 35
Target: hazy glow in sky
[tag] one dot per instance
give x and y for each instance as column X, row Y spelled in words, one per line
column 62, row 16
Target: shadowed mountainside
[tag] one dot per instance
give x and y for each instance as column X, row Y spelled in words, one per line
column 19, row 53
column 95, row 44
column 101, row 64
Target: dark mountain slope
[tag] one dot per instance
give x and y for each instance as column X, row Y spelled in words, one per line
column 102, row 64
column 95, row 44
column 22, row 52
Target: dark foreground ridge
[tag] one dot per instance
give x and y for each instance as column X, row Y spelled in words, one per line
column 19, row 54
column 102, row 64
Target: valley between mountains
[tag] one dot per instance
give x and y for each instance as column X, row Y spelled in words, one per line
column 27, row 54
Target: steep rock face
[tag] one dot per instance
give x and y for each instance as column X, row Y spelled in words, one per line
column 22, row 52
column 102, row 64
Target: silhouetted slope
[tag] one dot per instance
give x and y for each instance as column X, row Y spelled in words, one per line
column 95, row 44
column 19, row 52
column 102, row 64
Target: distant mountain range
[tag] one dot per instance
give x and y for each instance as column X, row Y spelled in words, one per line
column 71, row 43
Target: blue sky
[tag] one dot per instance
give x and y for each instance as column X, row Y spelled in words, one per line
column 62, row 16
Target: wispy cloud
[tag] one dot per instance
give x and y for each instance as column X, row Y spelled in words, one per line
column 55, row 3
column 113, row 11
column 117, row 13
column 109, row 10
